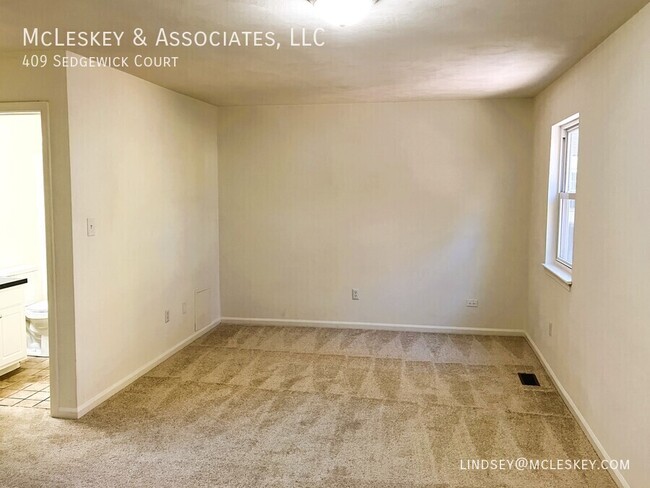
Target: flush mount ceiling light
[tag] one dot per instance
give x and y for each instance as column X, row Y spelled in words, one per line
column 343, row 12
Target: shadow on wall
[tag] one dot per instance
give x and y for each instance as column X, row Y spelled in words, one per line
column 388, row 198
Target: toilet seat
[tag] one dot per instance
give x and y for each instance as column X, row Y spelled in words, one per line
column 36, row 311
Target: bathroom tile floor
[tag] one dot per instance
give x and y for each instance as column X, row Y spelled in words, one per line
column 27, row 386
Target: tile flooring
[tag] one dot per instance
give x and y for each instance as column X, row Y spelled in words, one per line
column 27, row 386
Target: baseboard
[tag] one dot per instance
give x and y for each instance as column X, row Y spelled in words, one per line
column 618, row 477
column 371, row 326
column 584, row 425
column 64, row 413
column 10, row 368
column 123, row 383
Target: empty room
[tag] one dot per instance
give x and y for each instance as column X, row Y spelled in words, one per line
column 324, row 243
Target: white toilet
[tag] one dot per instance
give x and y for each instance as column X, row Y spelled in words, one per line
column 36, row 324
column 37, row 330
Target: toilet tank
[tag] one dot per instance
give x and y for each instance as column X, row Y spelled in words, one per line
column 36, row 287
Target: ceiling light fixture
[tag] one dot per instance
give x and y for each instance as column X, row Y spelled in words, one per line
column 343, row 12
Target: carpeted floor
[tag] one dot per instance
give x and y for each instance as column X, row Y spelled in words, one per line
column 301, row 407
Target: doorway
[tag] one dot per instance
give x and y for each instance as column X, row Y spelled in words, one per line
column 26, row 329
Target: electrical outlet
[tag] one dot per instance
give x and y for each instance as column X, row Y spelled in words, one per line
column 166, row 316
column 355, row 294
column 471, row 302
column 184, row 308
column 550, row 329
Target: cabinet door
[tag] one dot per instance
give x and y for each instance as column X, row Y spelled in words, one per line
column 13, row 342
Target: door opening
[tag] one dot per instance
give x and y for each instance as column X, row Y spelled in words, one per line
column 26, row 329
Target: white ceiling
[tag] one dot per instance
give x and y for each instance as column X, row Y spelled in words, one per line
column 405, row 49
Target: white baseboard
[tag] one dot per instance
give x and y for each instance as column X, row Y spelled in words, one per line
column 100, row 398
column 70, row 413
column 371, row 326
column 618, row 477
column 64, row 413
column 10, row 368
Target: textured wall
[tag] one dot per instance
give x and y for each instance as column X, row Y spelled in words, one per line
column 21, row 190
column 600, row 343
column 144, row 166
column 419, row 205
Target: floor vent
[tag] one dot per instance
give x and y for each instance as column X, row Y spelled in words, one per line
column 528, row 379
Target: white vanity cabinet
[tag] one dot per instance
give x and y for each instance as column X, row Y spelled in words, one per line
column 13, row 343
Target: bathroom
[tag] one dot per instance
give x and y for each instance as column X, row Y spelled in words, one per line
column 24, row 331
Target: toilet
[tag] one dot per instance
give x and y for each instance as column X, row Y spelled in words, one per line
column 37, row 330
column 36, row 323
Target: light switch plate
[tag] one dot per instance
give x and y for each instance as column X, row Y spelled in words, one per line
column 90, row 227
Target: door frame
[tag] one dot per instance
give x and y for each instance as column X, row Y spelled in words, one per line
column 42, row 108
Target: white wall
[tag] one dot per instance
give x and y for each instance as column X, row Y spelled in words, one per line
column 18, row 84
column 144, row 166
column 22, row 221
column 601, row 339
column 419, row 205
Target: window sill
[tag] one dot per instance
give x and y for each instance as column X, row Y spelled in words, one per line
column 562, row 276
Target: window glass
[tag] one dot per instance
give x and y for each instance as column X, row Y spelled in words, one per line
column 572, row 141
column 567, row 226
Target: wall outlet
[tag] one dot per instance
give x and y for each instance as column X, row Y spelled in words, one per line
column 471, row 302
column 184, row 308
column 166, row 316
column 90, row 227
column 355, row 294
column 550, row 329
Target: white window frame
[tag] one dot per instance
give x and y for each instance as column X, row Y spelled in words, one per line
column 557, row 267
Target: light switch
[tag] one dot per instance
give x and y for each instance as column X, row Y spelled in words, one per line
column 90, row 227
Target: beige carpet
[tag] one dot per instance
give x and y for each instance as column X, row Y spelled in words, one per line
column 299, row 407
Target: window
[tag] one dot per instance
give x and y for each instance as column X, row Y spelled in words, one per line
column 567, row 193
column 565, row 142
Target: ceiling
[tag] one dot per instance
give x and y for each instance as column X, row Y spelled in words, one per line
column 404, row 50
